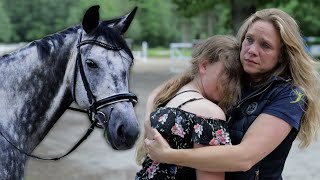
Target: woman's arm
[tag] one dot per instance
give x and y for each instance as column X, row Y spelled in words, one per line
column 205, row 175
column 206, row 108
column 263, row 136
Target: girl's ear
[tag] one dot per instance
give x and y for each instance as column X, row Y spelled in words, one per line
column 203, row 66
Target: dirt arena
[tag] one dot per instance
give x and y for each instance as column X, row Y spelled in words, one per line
column 95, row 160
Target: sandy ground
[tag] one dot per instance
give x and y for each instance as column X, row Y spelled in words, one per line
column 95, row 160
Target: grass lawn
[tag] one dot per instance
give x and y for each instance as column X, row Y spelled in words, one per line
column 160, row 52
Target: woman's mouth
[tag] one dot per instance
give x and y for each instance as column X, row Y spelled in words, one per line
column 250, row 61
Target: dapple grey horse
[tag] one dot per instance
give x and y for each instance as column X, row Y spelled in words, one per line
column 88, row 64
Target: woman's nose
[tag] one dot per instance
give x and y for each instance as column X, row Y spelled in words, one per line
column 252, row 49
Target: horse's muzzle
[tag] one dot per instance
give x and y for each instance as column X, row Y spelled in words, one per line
column 121, row 128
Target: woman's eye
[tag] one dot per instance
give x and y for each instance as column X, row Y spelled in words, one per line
column 249, row 39
column 265, row 45
column 91, row 64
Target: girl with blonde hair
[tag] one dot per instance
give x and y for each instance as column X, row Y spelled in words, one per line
column 186, row 110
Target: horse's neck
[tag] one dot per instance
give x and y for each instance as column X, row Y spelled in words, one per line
column 33, row 88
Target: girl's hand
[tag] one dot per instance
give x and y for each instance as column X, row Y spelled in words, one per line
column 157, row 147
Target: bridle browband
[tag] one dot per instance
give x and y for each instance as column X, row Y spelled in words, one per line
column 104, row 45
column 93, row 109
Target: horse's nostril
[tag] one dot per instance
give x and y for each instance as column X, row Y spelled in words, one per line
column 120, row 131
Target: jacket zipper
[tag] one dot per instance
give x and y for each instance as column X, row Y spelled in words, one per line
column 254, row 94
column 256, row 175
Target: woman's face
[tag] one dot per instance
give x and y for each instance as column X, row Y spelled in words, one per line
column 260, row 49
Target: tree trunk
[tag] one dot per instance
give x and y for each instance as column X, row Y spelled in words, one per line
column 186, row 30
column 240, row 11
column 210, row 22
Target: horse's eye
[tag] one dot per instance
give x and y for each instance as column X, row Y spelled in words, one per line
column 91, row 64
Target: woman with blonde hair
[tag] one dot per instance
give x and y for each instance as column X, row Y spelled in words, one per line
column 280, row 101
column 186, row 110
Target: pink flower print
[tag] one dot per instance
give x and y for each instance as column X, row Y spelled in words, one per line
column 219, row 132
column 198, row 129
column 220, row 135
column 163, row 118
column 178, row 130
column 222, row 139
column 152, row 169
column 214, row 142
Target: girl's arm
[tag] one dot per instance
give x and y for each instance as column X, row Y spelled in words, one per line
column 149, row 107
column 263, row 136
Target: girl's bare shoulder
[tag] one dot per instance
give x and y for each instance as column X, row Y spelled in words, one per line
column 205, row 108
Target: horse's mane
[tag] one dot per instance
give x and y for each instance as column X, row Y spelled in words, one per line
column 45, row 44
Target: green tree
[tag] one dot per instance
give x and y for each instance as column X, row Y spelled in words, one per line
column 33, row 19
column 306, row 14
column 158, row 22
column 6, row 27
column 190, row 8
column 108, row 10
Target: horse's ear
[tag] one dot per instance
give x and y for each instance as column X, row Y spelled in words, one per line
column 91, row 19
column 122, row 24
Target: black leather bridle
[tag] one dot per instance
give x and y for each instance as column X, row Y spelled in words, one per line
column 94, row 104
column 93, row 110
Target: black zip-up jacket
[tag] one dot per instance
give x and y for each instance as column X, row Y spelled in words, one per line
column 243, row 115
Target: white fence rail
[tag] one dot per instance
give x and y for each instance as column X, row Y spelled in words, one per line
column 7, row 48
column 179, row 59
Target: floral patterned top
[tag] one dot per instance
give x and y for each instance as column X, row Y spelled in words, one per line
column 182, row 129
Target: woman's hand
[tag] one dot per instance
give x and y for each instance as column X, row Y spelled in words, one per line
column 157, row 147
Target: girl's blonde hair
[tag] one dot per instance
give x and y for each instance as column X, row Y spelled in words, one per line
column 296, row 63
column 214, row 49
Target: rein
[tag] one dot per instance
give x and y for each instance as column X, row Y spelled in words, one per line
column 93, row 110
column 56, row 158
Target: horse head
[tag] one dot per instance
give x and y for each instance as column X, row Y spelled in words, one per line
column 101, row 77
